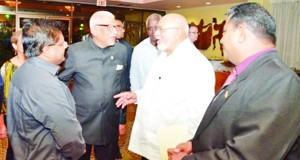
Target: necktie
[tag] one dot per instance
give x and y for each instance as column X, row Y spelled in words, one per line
column 230, row 78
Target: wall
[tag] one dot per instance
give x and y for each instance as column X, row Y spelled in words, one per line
column 207, row 14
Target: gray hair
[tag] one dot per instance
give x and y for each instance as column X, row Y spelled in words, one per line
column 257, row 19
column 38, row 33
column 97, row 16
column 153, row 16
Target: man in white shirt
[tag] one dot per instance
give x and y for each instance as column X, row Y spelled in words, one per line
column 144, row 54
column 177, row 91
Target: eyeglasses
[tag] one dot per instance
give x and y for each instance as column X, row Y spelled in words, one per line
column 109, row 27
column 119, row 27
column 194, row 32
column 151, row 28
column 162, row 29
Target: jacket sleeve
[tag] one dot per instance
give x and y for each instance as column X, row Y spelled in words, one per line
column 264, row 118
column 125, row 83
column 68, row 70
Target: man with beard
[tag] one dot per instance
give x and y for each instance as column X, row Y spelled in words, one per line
column 175, row 91
column 144, row 54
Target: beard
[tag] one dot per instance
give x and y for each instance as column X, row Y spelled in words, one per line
column 161, row 46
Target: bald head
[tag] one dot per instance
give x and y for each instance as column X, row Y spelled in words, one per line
column 172, row 29
column 175, row 21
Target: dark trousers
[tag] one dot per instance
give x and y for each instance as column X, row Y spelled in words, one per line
column 9, row 151
column 110, row 151
column 143, row 158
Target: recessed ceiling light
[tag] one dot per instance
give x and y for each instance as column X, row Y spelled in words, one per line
column 208, row 3
column 178, row 6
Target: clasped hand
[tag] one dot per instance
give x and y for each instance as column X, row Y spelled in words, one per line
column 180, row 151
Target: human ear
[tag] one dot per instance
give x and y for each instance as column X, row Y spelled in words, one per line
column 242, row 30
column 46, row 52
column 14, row 46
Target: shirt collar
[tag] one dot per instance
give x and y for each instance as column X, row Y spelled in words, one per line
column 243, row 65
column 51, row 68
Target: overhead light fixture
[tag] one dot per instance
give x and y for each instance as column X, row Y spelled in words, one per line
column 70, row 8
column 178, row 6
column 12, row 3
column 207, row 3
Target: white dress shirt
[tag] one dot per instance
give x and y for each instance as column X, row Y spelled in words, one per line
column 178, row 90
column 142, row 59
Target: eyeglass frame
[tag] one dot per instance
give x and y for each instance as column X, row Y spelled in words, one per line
column 108, row 26
column 162, row 29
column 119, row 27
column 195, row 32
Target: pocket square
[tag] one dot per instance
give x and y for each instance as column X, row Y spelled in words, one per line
column 119, row 67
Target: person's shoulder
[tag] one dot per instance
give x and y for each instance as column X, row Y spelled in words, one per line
column 78, row 49
column 78, row 45
column 119, row 46
column 122, row 41
column 143, row 43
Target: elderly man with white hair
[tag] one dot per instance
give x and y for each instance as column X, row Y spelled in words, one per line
column 98, row 67
column 177, row 91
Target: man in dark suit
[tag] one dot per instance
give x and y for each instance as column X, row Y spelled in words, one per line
column 255, row 117
column 119, row 39
column 98, row 67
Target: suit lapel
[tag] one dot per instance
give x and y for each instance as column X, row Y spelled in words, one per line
column 220, row 98
column 225, row 92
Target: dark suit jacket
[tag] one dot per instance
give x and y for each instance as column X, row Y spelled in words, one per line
column 98, row 75
column 129, row 55
column 255, row 118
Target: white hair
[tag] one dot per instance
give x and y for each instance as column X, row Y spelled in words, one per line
column 153, row 16
column 97, row 16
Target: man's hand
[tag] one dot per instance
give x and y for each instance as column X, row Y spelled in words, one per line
column 180, row 151
column 122, row 129
column 3, row 132
column 125, row 98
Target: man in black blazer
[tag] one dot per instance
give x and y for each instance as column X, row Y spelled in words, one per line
column 256, row 117
column 98, row 67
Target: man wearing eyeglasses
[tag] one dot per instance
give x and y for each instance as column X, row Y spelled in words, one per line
column 177, row 91
column 119, row 39
column 144, row 54
column 98, row 67
column 193, row 33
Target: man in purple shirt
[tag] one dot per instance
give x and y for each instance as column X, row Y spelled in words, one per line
column 256, row 116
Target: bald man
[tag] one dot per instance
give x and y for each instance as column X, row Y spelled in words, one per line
column 175, row 92
column 256, row 116
column 98, row 66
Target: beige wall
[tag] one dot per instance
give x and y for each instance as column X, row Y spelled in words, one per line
column 207, row 13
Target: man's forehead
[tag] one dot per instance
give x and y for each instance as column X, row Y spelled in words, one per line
column 167, row 24
column 105, row 20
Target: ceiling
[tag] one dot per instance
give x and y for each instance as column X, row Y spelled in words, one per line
column 161, row 5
